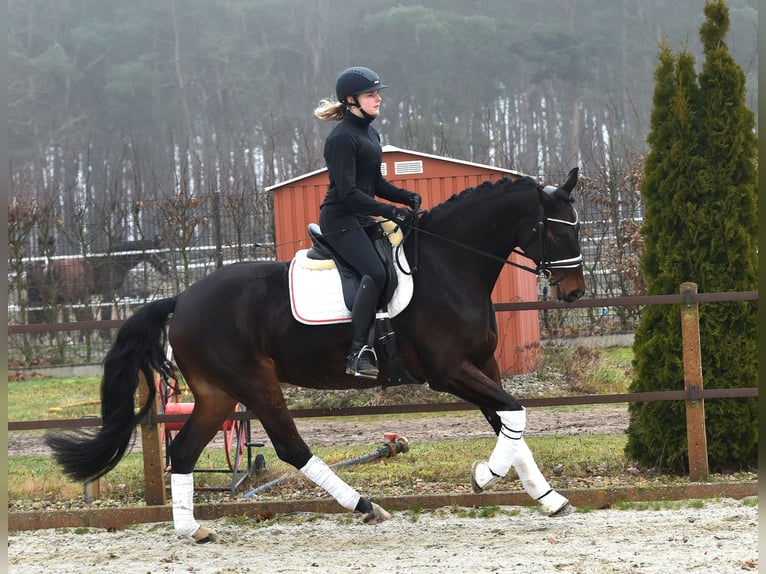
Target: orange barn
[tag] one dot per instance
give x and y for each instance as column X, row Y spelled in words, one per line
column 296, row 204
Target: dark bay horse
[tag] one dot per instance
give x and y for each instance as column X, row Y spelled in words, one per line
column 234, row 339
column 74, row 280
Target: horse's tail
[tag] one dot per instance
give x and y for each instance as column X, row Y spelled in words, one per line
column 138, row 348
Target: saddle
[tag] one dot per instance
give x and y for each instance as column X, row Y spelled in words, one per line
column 321, row 253
column 320, row 261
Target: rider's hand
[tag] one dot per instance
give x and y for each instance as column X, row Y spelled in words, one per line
column 414, row 200
column 401, row 214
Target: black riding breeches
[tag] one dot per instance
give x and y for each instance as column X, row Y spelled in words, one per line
column 354, row 243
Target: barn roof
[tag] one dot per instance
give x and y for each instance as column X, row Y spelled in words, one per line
column 391, row 149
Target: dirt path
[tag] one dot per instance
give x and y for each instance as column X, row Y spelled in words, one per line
column 715, row 536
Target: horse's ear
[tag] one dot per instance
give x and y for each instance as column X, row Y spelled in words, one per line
column 571, row 181
column 565, row 190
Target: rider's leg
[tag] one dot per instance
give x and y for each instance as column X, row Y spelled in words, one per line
column 354, row 243
column 512, row 450
column 362, row 360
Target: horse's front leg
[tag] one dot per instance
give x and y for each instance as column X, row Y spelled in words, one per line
column 511, row 450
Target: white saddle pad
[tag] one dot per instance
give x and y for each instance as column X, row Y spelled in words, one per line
column 316, row 295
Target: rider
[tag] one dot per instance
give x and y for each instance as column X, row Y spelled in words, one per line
column 353, row 155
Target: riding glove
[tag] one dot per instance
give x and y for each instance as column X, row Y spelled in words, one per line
column 400, row 214
column 414, row 200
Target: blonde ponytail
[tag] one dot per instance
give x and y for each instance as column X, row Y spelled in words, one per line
column 330, row 110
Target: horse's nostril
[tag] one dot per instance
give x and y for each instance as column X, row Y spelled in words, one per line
column 574, row 295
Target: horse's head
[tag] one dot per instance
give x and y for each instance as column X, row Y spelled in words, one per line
column 555, row 243
column 160, row 263
column 128, row 254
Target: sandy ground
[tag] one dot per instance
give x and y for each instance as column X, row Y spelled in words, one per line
column 710, row 537
column 700, row 537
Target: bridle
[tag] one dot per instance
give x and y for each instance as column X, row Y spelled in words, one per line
column 545, row 266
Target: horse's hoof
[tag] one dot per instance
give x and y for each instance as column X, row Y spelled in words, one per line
column 377, row 514
column 565, row 509
column 481, row 476
column 204, row 535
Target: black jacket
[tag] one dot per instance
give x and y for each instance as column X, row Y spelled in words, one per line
column 353, row 154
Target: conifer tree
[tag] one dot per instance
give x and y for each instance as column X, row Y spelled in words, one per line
column 700, row 225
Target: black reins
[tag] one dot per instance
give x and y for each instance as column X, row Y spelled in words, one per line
column 543, row 267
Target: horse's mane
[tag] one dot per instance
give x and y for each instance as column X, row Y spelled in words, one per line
column 476, row 193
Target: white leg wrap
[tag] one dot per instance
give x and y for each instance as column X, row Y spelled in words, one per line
column 532, row 479
column 508, row 441
column 182, row 493
column 321, row 474
column 512, row 450
column 552, row 502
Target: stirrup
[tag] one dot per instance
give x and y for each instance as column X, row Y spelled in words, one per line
column 363, row 363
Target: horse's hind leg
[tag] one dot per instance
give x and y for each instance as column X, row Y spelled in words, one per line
column 272, row 412
column 212, row 406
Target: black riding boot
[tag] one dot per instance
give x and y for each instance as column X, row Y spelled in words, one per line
column 362, row 360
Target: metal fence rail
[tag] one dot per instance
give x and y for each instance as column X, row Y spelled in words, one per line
column 627, row 301
column 156, row 418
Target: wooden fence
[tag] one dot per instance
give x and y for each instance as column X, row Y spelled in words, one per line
column 693, row 393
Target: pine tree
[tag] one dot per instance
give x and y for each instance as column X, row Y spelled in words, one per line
column 700, row 225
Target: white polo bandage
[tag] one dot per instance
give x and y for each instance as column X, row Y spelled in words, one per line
column 322, row 475
column 182, row 493
column 512, row 450
column 508, row 441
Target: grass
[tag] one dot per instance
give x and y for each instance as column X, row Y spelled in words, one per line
column 568, row 461
column 656, row 505
column 53, row 399
column 575, row 370
column 427, row 467
column 450, row 463
column 590, row 371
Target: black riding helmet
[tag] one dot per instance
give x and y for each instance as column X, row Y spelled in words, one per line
column 355, row 81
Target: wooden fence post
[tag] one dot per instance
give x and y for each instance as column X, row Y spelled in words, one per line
column 154, row 467
column 92, row 490
column 695, row 407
